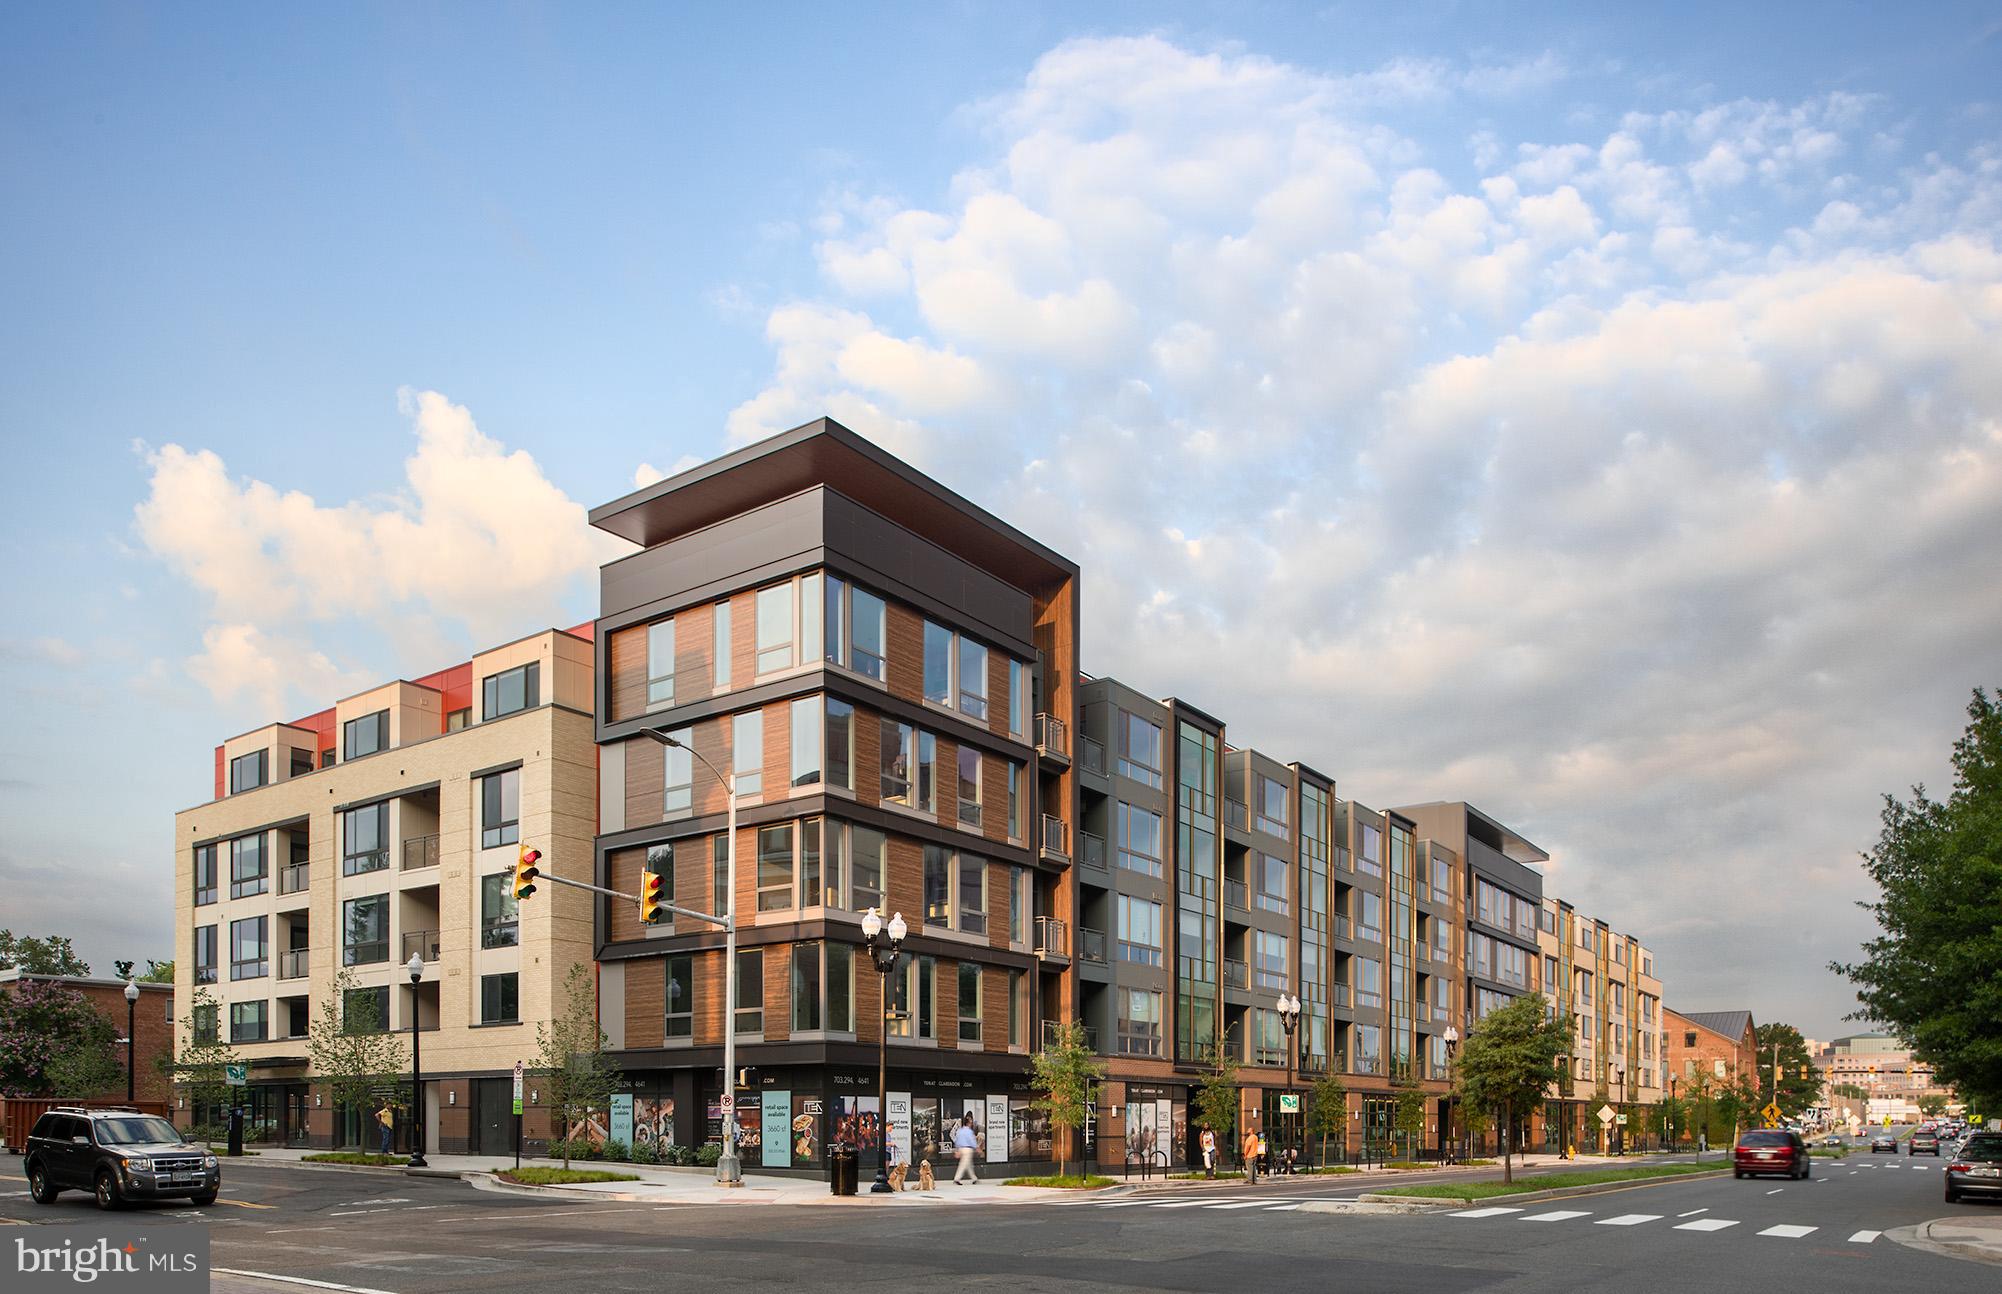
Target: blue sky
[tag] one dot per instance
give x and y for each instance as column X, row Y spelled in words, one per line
column 1595, row 402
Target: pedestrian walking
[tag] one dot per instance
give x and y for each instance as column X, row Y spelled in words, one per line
column 963, row 1143
column 385, row 1118
column 1209, row 1150
column 1250, row 1157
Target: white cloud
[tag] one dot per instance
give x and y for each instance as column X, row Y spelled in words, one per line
column 45, row 650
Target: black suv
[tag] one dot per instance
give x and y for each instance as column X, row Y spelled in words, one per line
column 118, row 1155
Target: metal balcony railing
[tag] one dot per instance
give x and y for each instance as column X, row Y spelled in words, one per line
column 420, row 852
column 423, row 943
column 1091, row 944
column 1236, row 974
column 292, row 963
column 1091, row 849
column 293, row 878
column 1056, row 836
column 1051, row 1028
column 1236, row 895
column 1053, row 738
column 1053, row 939
column 1234, row 813
column 1092, row 754
column 1340, row 996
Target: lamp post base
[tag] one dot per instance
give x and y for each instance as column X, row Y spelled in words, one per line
column 729, row 1171
column 881, row 1186
column 417, row 1161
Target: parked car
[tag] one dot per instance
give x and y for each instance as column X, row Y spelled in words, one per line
column 117, row 1155
column 1831, row 1140
column 1976, row 1168
column 1770, row 1151
column 1923, row 1143
column 1884, row 1144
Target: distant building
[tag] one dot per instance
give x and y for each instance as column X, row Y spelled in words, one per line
column 153, row 1019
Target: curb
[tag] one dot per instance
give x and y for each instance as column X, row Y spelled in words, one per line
column 1554, row 1193
column 1920, row 1237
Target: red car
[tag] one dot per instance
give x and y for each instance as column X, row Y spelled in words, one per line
column 1761, row 1152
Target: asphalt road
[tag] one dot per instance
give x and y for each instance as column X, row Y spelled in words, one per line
column 426, row 1236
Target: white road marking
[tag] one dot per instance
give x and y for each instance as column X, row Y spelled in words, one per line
column 297, row 1280
column 1776, row 1190
column 1556, row 1215
column 1493, row 1211
column 1186, row 1204
column 1239, row 1204
column 1628, row 1220
column 1864, row 1237
column 1706, row 1224
column 1120, row 1204
column 1787, row 1231
column 1282, row 1208
column 1692, row 1213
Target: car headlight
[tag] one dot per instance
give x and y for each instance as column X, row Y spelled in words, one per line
column 139, row 1164
column 209, row 1161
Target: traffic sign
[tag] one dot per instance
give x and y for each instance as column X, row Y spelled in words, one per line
column 1289, row 1103
column 236, row 1075
column 1606, row 1115
column 1772, row 1114
column 517, row 1087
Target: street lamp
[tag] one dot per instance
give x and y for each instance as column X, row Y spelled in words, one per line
column 884, row 953
column 131, row 1019
column 729, row 1172
column 1289, row 1020
column 1668, row 1116
column 1452, row 1036
column 416, row 969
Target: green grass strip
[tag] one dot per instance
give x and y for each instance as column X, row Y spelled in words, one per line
column 1068, row 1182
column 357, row 1157
column 536, row 1175
column 1524, row 1185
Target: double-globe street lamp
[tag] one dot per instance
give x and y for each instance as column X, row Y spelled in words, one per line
column 416, row 969
column 1289, row 1020
column 885, row 945
column 131, row 1031
column 1452, row 1037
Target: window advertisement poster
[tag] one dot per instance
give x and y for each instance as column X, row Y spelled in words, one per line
column 775, row 1120
column 653, row 1121
column 924, row 1127
column 622, row 1117
column 900, row 1127
column 806, row 1130
column 1164, row 1132
column 997, row 1129
column 750, row 1125
column 1028, row 1130
column 859, row 1122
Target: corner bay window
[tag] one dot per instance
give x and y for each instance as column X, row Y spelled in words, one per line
column 511, row 691
column 789, row 624
column 205, row 875
column 365, row 736
column 499, row 915
column 823, row 988
column 855, row 628
column 248, row 772
column 955, row 890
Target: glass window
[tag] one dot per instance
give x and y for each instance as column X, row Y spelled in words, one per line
column 248, row 950
column 365, row 839
column 1018, row 1010
column 867, row 616
column 1018, row 699
column 865, row 889
column 808, row 746
column 500, row 809
column 680, row 996
column 1369, row 981
column 897, row 750
column 1018, row 829
column 750, row 991
column 969, row 786
column 938, row 664
column 911, row 1000
column 249, row 1021
column 499, row 913
column 1019, row 902
column 840, row 988
column 365, row 930
column 809, row 619
column 1272, row 814
column 457, row 720
column 938, row 886
column 500, row 998
column 1137, row 836
column 678, row 775
column 205, row 954
column 248, row 772
column 1372, row 916
column 834, row 864
column 840, row 744
column 1270, row 952
column 1139, row 930
column 205, row 874
column 659, row 664
column 972, row 895
column 365, row 736
column 720, row 645
column 969, row 1003
column 1271, row 883
column 246, row 866
column 809, row 863
column 747, row 752
column 1139, row 749
column 511, row 691
column 1139, row 1022
column 775, row 868
column 205, row 1023
column 1369, row 1049
column 720, row 865
column 806, row 988
column 775, row 628
column 927, row 773
column 1371, row 860
column 972, row 679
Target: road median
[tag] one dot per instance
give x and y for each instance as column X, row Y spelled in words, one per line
column 1548, row 1187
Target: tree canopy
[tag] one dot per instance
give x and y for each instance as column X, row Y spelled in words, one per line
column 44, row 955
column 577, row 1076
column 1934, row 975
column 1064, row 1072
column 1509, row 1061
column 1800, row 1083
column 53, row 1042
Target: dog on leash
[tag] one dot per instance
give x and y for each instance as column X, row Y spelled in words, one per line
column 897, row 1174
column 926, row 1182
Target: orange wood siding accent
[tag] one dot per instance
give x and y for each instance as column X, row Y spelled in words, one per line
column 646, row 1002
column 904, row 632
column 627, row 651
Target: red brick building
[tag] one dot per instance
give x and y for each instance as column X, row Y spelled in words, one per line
column 153, row 1017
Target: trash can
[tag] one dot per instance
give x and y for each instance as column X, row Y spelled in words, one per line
column 236, row 1131
column 842, row 1162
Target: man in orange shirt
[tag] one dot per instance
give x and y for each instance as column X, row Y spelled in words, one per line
column 1250, row 1157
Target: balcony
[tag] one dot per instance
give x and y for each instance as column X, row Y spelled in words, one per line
column 292, row 963
column 1091, row 944
column 1236, row 974
column 1091, row 850
column 1340, row 995
column 1056, row 839
column 1236, row 895
column 1235, row 814
column 293, row 878
column 1053, row 940
column 420, row 852
column 1053, row 739
column 1091, row 755
column 1341, row 925
column 1052, row 1027
column 420, row 943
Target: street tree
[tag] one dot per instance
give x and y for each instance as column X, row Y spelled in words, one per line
column 158, row 972
column 1799, row 1083
column 1508, row 1063
column 40, row 955
column 1217, row 1094
column 1932, row 1105
column 53, row 1042
column 352, row 1050
column 1408, row 1115
column 1737, row 1100
column 1327, row 1111
column 577, row 1076
column 1933, row 976
column 199, row 1064
column 1065, row 1073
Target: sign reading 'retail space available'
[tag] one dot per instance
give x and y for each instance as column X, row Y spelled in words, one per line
column 117, row 1259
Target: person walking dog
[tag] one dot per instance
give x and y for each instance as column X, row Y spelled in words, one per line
column 963, row 1142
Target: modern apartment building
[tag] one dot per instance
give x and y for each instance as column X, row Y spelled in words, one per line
column 384, row 826
column 1606, row 981
column 884, row 673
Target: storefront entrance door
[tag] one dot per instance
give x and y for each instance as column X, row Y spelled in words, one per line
column 493, row 1116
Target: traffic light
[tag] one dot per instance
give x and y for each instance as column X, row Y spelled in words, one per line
column 525, row 871
column 650, row 883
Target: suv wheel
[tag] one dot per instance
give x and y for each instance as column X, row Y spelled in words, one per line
column 108, row 1197
column 40, row 1187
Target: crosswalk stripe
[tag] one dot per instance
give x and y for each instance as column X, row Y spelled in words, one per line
column 1120, row 1204
column 1492, row 1211
column 1282, row 1208
column 1692, row 1213
column 1556, row 1215
column 1240, row 1204
column 1788, row 1232
column 1186, row 1204
column 1629, row 1220
column 1864, row 1237
column 1706, row 1224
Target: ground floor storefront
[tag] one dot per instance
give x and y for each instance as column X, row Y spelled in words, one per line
column 463, row 1114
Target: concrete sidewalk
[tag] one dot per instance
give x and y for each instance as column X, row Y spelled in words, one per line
column 682, row 1185
column 1976, row 1238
